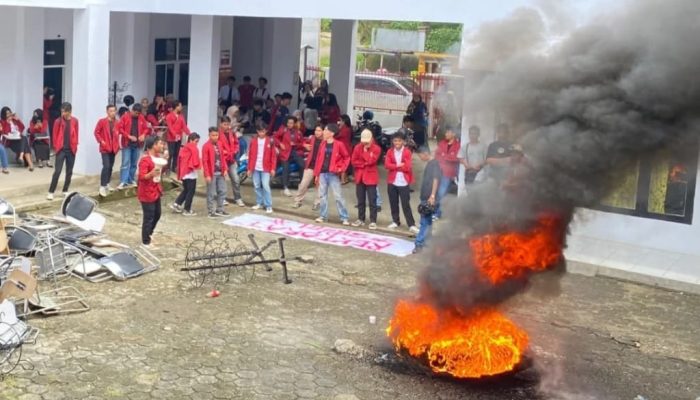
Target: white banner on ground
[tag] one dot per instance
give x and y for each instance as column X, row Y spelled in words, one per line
column 324, row 234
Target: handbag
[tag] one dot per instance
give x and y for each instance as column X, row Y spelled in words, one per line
column 426, row 209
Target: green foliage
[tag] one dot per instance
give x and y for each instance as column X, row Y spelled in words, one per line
column 326, row 25
column 439, row 38
column 325, row 61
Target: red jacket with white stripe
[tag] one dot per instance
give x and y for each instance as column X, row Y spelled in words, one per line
column 392, row 165
column 188, row 160
column 269, row 155
column 108, row 140
column 209, row 158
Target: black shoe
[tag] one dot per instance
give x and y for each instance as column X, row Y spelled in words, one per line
column 221, row 214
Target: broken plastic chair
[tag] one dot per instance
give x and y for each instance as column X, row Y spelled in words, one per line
column 63, row 300
column 79, row 210
column 121, row 265
column 13, row 334
column 7, row 210
column 21, row 241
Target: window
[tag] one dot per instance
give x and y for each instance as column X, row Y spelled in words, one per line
column 166, row 50
column 54, row 52
column 184, row 49
column 661, row 186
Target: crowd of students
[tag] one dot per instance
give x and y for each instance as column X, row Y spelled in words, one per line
column 324, row 153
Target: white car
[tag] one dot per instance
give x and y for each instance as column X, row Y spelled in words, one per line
column 383, row 93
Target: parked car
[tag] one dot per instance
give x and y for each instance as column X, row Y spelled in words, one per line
column 383, row 93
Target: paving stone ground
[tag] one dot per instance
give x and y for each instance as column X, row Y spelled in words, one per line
column 155, row 337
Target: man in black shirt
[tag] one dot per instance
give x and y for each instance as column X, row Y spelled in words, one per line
column 498, row 154
column 312, row 145
column 428, row 191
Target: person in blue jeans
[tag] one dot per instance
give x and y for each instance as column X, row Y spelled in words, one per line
column 262, row 163
column 447, row 154
column 3, row 159
column 333, row 159
column 432, row 174
column 133, row 129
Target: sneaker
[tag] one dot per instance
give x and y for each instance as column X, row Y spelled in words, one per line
column 212, row 215
column 358, row 223
column 176, row 207
column 316, row 207
column 5, row 171
column 221, row 213
column 64, row 194
column 225, row 202
column 240, row 203
column 296, row 205
column 132, row 184
column 414, row 229
column 435, row 218
column 49, row 196
column 373, row 226
column 121, row 186
column 269, row 210
column 287, row 193
column 49, row 165
column 149, row 246
column 110, row 189
column 320, row 220
column 417, row 250
column 41, row 165
column 393, row 225
column 188, row 213
column 346, row 222
column 256, row 207
column 103, row 191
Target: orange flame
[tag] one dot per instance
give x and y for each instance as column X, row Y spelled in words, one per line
column 483, row 342
column 677, row 172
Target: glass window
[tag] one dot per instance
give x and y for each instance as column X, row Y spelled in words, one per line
column 624, row 180
column 183, row 85
column 166, row 50
column 184, row 50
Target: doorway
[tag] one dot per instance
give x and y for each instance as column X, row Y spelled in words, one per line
column 54, row 65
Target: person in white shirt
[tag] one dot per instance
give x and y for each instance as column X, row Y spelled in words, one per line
column 228, row 94
column 261, row 92
column 472, row 156
column 398, row 163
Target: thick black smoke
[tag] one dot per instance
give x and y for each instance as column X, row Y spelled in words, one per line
column 620, row 88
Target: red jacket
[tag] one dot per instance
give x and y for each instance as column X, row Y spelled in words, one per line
column 365, row 163
column 46, row 106
column 391, row 165
column 269, row 156
column 340, row 159
column 35, row 131
column 231, row 144
column 188, row 160
column 147, row 191
column 344, row 136
column 310, row 141
column 330, row 114
column 290, row 138
column 108, row 141
column 125, row 129
column 5, row 128
column 177, row 126
column 59, row 126
column 209, row 158
column 447, row 157
column 246, row 92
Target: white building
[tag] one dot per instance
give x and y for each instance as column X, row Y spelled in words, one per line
column 82, row 47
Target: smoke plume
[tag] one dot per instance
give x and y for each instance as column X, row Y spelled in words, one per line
column 615, row 90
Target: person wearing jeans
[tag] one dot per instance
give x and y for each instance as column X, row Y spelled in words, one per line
column 333, row 159
column 447, row 154
column 66, row 131
column 215, row 167
column 432, row 175
column 232, row 145
column 107, row 136
column 149, row 190
column 262, row 162
column 398, row 163
column 289, row 143
column 188, row 165
column 364, row 159
column 313, row 143
column 3, row 159
column 133, row 129
column 177, row 127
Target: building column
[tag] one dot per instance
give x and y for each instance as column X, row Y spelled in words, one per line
column 204, row 73
column 129, row 55
column 90, row 83
column 31, row 60
column 341, row 77
column 282, row 40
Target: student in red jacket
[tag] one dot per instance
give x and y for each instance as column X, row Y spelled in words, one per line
column 39, row 138
column 447, row 155
column 12, row 127
column 215, row 168
column 364, row 158
column 188, row 165
column 333, row 159
column 177, row 127
column 107, row 136
column 290, row 144
column 231, row 143
column 65, row 145
column 262, row 162
column 345, row 137
column 149, row 189
column 313, row 143
column 399, row 166
column 133, row 129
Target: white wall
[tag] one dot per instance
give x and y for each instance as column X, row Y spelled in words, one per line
column 248, row 47
column 129, row 51
column 164, row 26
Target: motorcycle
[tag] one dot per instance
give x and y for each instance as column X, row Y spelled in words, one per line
column 295, row 173
column 366, row 121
